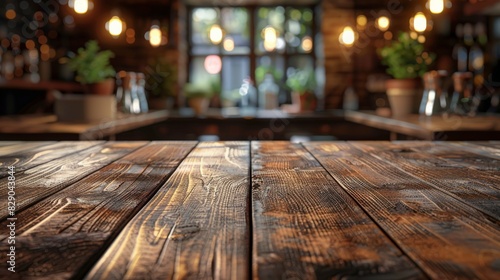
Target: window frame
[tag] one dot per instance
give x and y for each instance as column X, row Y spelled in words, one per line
column 253, row 55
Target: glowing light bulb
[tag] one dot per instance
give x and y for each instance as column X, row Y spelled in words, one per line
column 361, row 20
column 347, row 36
column 155, row 36
column 81, row 6
column 228, row 44
column 383, row 23
column 307, row 44
column 270, row 38
column 420, row 22
column 216, row 34
column 436, row 6
column 115, row 26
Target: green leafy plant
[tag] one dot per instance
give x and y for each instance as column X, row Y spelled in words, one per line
column 160, row 78
column 302, row 81
column 405, row 58
column 91, row 64
column 262, row 70
column 207, row 90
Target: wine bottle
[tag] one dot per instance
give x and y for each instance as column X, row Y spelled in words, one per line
column 460, row 49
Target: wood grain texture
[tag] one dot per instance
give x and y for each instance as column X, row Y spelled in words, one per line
column 472, row 178
column 43, row 180
column 22, row 147
column 9, row 143
column 447, row 238
column 195, row 227
column 306, row 227
column 492, row 144
column 26, row 159
column 64, row 231
column 432, row 128
column 29, row 127
column 485, row 149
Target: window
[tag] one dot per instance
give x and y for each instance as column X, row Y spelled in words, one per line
column 230, row 44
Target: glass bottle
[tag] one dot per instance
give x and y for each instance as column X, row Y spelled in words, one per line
column 476, row 54
column 127, row 94
column 351, row 100
column 120, row 90
column 435, row 97
column 135, row 106
column 268, row 93
column 461, row 100
column 141, row 93
column 460, row 50
column 248, row 94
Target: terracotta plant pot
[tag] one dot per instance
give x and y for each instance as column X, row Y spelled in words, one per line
column 305, row 101
column 199, row 104
column 404, row 96
column 105, row 87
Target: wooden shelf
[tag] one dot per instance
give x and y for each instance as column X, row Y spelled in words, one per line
column 41, row 86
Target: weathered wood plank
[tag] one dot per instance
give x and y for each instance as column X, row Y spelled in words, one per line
column 445, row 237
column 22, row 146
column 26, row 159
column 9, row 143
column 43, row 180
column 306, row 227
column 60, row 235
column 195, row 227
column 491, row 144
column 473, row 178
column 485, row 150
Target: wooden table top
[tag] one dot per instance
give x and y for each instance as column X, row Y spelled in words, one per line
column 452, row 127
column 251, row 210
column 36, row 126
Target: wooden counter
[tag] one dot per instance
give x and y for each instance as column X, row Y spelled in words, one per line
column 450, row 127
column 46, row 127
column 226, row 124
column 44, row 86
column 251, row 210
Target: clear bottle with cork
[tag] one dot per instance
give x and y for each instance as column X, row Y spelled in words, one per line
column 268, row 93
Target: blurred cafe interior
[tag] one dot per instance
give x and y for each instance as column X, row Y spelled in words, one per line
column 300, row 70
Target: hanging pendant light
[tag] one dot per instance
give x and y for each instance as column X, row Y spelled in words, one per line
column 383, row 23
column 419, row 22
column 228, row 44
column 81, row 6
column 115, row 26
column 270, row 38
column 347, row 37
column 155, row 35
column 436, row 6
column 216, row 34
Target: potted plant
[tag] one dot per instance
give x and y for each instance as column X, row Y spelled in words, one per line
column 198, row 96
column 302, row 82
column 406, row 62
column 93, row 69
column 160, row 82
